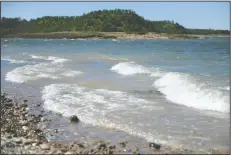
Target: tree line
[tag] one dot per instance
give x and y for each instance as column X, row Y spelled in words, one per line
column 118, row 20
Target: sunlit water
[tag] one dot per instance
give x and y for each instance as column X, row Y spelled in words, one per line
column 175, row 92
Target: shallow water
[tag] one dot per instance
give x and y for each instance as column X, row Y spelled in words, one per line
column 175, row 92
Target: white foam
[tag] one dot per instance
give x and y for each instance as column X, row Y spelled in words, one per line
column 37, row 57
column 95, row 106
column 130, row 68
column 183, row 89
column 13, row 61
column 71, row 73
column 50, row 58
column 227, row 88
column 57, row 59
column 53, row 70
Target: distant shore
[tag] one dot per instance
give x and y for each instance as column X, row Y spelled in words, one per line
column 107, row 35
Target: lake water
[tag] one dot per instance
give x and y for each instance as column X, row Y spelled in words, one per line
column 173, row 92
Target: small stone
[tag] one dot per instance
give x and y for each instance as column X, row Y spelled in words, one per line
column 27, row 109
column 25, row 101
column 56, row 130
column 28, row 141
column 59, row 152
column 8, row 136
column 27, row 147
column 154, row 145
column 25, row 128
column 45, row 146
column 69, row 152
column 74, row 119
column 23, row 122
column 9, row 100
column 42, row 119
column 123, row 144
column 23, row 105
column 34, row 144
column 17, row 140
column 59, row 114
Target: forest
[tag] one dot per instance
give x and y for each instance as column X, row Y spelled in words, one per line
column 118, row 20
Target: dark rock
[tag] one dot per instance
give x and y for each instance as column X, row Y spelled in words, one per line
column 56, row 130
column 23, row 105
column 38, row 131
column 123, row 144
column 8, row 104
column 25, row 101
column 154, row 145
column 74, row 119
column 81, row 145
column 9, row 100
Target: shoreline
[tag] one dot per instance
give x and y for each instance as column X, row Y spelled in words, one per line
column 108, row 35
column 20, row 133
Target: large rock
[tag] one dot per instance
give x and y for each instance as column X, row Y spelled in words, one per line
column 74, row 119
column 154, row 145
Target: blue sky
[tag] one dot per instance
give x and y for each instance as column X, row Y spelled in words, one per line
column 215, row 15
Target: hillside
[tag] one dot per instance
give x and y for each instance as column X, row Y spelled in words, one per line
column 98, row 21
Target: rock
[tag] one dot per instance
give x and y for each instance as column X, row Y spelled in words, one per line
column 17, row 140
column 34, row 144
column 56, row 130
column 8, row 136
column 69, row 152
column 45, row 146
column 28, row 141
column 123, row 144
column 9, row 100
column 74, row 119
column 59, row 114
column 23, row 105
column 8, row 104
column 27, row 147
column 37, row 131
column 154, row 145
column 25, row 101
column 42, row 119
column 27, row 109
column 25, row 128
column 58, row 152
column 23, row 122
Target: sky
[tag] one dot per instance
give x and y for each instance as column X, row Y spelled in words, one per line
column 202, row 15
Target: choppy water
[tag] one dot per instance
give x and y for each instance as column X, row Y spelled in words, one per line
column 171, row 91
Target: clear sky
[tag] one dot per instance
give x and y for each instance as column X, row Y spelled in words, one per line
column 214, row 15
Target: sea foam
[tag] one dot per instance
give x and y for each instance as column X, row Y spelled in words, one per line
column 94, row 106
column 130, row 68
column 180, row 88
column 183, row 89
column 52, row 69
column 13, row 61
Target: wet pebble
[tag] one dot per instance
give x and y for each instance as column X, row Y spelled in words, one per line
column 45, row 146
column 25, row 128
